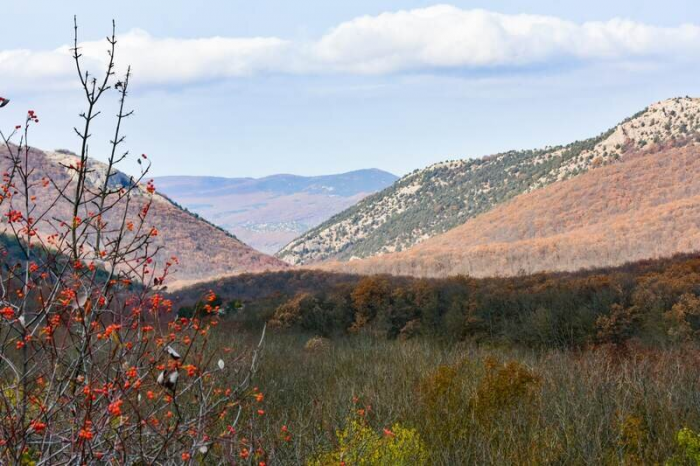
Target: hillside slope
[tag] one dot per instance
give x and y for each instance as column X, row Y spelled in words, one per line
column 204, row 250
column 267, row 213
column 431, row 201
column 648, row 206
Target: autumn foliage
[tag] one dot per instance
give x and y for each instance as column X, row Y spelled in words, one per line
column 650, row 301
column 644, row 206
column 94, row 367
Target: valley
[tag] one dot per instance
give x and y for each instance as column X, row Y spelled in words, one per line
column 502, row 302
column 267, row 213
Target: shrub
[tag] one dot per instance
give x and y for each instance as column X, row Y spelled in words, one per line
column 316, row 344
column 95, row 369
column 412, row 329
column 688, row 446
column 633, row 437
column 502, row 388
column 360, row 445
column 444, row 405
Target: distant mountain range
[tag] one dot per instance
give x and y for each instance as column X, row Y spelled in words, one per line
column 629, row 193
column 267, row 213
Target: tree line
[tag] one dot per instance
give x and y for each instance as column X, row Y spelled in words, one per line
column 654, row 301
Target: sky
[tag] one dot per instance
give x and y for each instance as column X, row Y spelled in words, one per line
column 234, row 88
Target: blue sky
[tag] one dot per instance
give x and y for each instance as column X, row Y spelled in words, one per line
column 237, row 88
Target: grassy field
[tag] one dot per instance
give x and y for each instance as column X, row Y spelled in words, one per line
column 473, row 405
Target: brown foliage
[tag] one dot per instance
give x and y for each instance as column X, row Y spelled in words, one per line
column 291, row 312
column 618, row 326
column 644, row 207
column 204, row 251
column 503, row 387
column 683, row 318
column 369, row 296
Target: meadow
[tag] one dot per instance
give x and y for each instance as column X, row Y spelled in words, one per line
column 592, row 367
column 367, row 400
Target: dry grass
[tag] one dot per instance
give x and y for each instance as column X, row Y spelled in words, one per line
column 482, row 406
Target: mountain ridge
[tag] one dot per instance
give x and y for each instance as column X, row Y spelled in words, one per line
column 433, row 200
column 238, row 182
column 646, row 207
column 204, row 250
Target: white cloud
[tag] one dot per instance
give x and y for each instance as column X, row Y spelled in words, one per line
column 155, row 61
column 25, row 68
column 183, row 60
column 448, row 37
column 437, row 37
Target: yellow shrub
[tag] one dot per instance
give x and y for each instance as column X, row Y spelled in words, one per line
column 688, row 442
column 28, row 458
column 359, row 444
column 317, row 344
column 459, row 406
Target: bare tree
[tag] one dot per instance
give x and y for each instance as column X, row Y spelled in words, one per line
column 93, row 366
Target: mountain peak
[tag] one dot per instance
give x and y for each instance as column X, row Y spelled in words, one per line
column 663, row 121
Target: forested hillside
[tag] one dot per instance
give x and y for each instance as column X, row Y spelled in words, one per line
column 438, row 198
column 646, row 207
column 203, row 250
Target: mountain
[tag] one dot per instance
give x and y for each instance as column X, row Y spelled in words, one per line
column 434, row 200
column 647, row 206
column 204, row 251
column 269, row 212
